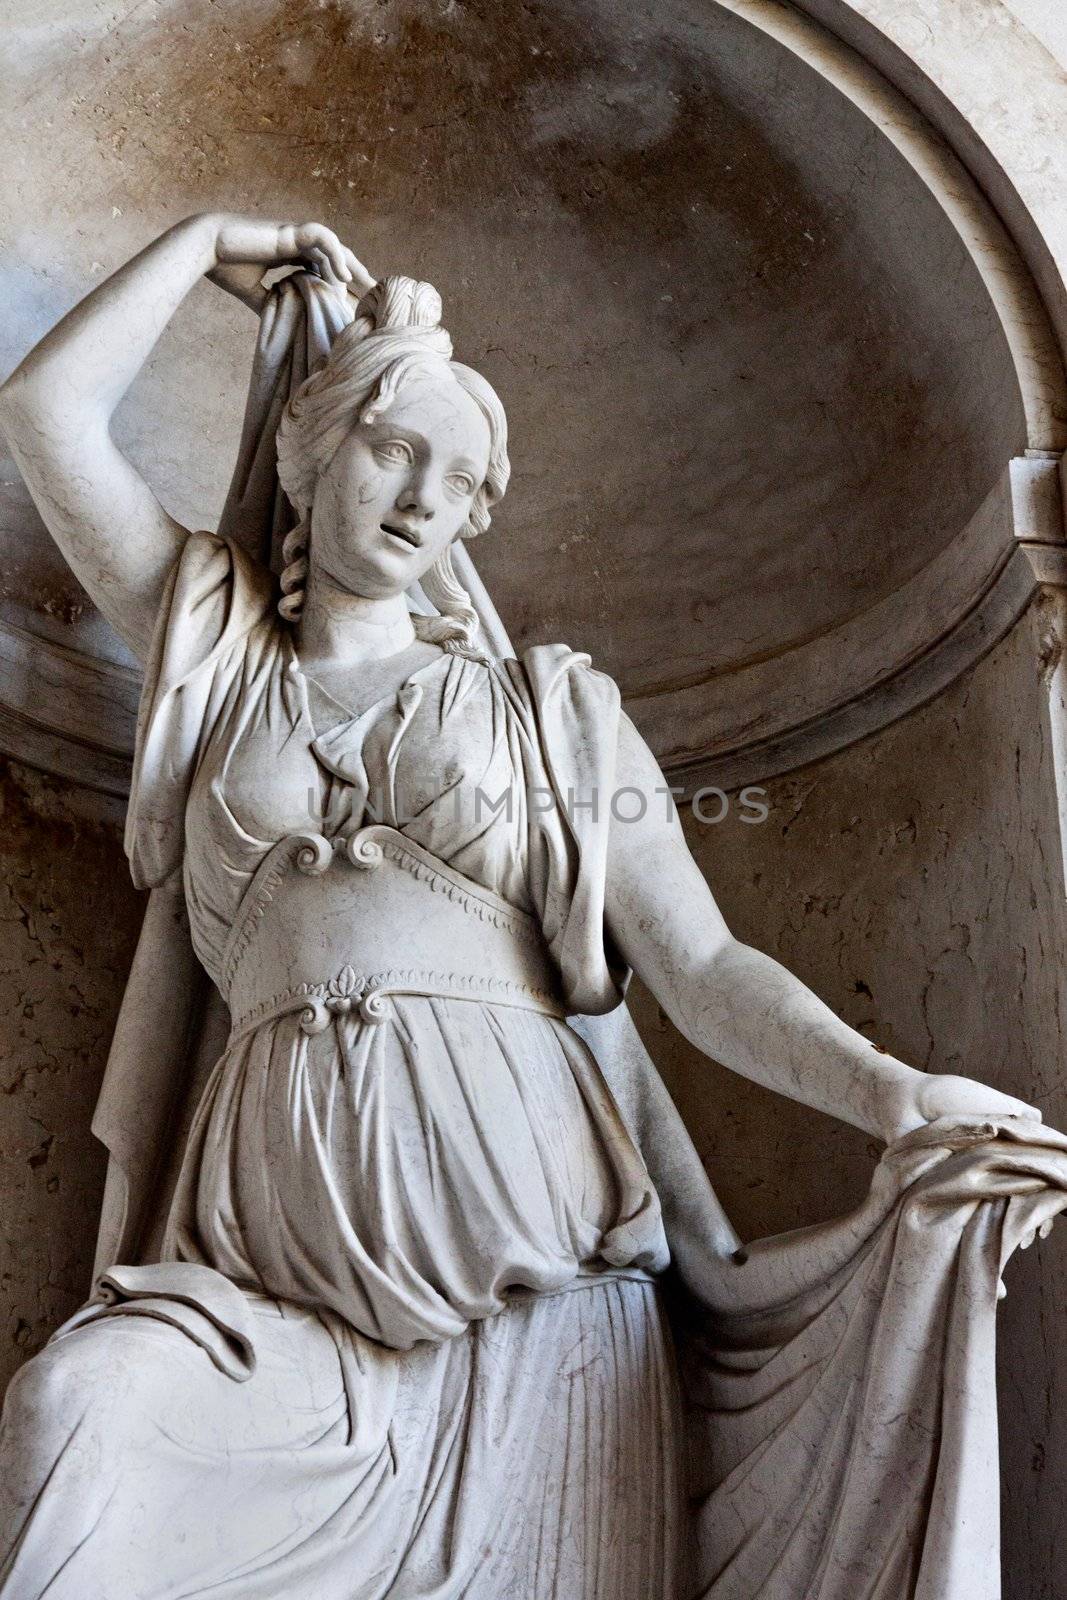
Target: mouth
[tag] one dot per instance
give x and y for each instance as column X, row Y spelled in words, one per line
column 405, row 535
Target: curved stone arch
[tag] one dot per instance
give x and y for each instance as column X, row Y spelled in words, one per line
column 962, row 93
column 776, row 715
column 1028, row 326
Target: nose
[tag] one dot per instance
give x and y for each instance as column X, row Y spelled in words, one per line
column 416, row 499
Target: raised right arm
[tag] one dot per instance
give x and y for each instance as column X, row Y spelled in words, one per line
column 56, row 408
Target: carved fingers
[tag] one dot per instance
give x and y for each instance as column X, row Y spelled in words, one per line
column 945, row 1095
column 312, row 241
column 242, row 240
column 1027, row 1219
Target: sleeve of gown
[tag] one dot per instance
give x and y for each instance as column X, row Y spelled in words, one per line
column 215, row 595
column 570, row 714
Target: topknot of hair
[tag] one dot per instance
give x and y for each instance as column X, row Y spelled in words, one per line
column 399, row 303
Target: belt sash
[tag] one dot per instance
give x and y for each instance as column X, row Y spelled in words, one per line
column 326, row 928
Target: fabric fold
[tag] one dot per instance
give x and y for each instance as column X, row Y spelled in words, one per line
column 206, row 1307
column 856, row 1362
column 852, row 1362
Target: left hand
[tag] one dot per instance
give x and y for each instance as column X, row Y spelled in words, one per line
column 909, row 1099
column 964, row 1099
column 945, row 1095
column 247, row 247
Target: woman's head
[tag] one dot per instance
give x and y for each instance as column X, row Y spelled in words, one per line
column 388, row 453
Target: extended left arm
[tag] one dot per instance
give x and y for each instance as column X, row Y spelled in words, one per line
column 740, row 1006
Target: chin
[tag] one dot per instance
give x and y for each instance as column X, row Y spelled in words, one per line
column 382, row 575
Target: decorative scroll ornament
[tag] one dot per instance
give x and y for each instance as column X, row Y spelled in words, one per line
column 346, row 992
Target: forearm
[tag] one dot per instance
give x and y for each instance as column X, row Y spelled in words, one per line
column 57, row 407
column 85, row 365
column 741, row 1007
column 243, row 280
column 746, row 1010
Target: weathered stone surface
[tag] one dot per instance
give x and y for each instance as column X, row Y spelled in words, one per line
column 397, row 1138
column 916, row 882
column 68, row 921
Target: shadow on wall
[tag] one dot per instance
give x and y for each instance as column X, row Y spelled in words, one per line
column 748, row 365
column 70, row 920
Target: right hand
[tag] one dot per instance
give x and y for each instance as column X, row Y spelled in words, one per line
column 241, row 241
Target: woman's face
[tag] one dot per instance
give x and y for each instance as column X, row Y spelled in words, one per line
column 399, row 489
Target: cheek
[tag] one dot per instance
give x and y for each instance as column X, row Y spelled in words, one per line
column 369, row 488
column 447, row 534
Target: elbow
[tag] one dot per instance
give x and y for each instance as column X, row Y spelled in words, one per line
column 20, row 402
column 35, row 420
column 35, row 381
column 702, row 987
column 9, row 392
column 719, row 959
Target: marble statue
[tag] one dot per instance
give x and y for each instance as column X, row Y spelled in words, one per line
column 434, row 1298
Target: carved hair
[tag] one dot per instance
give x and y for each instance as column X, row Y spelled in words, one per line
column 396, row 338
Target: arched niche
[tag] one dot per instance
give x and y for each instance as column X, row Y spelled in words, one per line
column 786, row 405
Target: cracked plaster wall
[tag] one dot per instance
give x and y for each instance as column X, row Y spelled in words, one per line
column 68, row 923
column 916, row 883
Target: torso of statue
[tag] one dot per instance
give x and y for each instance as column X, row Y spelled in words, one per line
column 319, row 1153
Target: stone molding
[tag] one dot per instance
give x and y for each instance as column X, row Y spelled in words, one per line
column 758, row 721
column 995, row 93
column 1002, row 258
column 67, row 712
column 74, row 715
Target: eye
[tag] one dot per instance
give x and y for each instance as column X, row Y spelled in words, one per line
column 461, row 483
column 395, row 450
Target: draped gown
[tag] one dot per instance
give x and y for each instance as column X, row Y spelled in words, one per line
column 449, row 1372
column 405, row 1334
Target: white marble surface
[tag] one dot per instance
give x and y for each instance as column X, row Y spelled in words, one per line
column 382, row 1156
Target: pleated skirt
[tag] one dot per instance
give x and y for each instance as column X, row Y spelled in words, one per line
column 535, row 1457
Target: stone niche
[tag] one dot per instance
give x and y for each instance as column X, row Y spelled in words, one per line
column 786, row 414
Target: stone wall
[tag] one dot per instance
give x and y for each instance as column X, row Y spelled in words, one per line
column 916, row 883
column 69, row 918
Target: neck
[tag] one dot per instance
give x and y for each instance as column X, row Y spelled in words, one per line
column 336, row 625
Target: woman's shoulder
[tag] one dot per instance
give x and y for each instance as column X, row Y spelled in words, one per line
column 211, row 562
column 216, row 596
column 555, row 673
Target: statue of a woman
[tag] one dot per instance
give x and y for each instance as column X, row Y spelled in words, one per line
column 404, row 1330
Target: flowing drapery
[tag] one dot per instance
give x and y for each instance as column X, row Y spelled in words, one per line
column 839, row 1387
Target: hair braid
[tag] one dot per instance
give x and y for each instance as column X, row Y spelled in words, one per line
column 295, row 572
